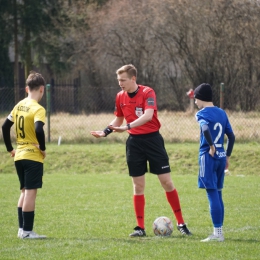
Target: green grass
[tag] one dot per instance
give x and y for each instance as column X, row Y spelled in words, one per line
column 85, row 207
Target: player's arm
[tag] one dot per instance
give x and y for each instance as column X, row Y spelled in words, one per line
column 117, row 122
column 146, row 117
column 206, row 132
column 6, row 127
column 40, row 136
column 230, row 143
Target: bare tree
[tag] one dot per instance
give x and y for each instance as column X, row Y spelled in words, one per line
column 215, row 44
column 175, row 45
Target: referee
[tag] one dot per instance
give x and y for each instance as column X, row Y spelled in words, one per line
column 137, row 105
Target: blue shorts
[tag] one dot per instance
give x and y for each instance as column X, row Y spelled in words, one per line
column 211, row 172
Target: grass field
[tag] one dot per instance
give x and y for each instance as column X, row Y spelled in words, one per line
column 85, row 207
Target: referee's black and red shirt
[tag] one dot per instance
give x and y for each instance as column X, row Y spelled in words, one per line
column 132, row 108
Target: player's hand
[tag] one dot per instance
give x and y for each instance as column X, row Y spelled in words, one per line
column 43, row 153
column 212, row 150
column 227, row 162
column 98, row 134
column 118, row 129
column 12, row 153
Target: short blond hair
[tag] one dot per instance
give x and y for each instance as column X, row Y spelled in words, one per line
column 129, row 69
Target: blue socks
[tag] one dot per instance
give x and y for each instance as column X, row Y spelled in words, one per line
column 216, row 207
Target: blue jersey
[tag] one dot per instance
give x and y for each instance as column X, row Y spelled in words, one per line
column 218, row 123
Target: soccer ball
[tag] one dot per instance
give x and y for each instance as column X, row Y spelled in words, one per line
column 162, row 226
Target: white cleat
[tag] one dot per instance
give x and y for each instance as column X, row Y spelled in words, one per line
column 213, row 238
column 20, row 233
column 32, row 235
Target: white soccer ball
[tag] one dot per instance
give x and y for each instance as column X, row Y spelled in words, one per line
column 162, row 226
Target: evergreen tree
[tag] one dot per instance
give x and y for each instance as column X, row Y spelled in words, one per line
column 6, row 71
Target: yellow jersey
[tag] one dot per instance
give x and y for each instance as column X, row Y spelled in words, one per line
column 24, row 115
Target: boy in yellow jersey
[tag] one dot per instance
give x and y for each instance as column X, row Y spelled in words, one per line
column 28, row 118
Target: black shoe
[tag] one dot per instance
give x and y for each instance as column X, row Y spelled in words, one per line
column 184, row 230
column 138, row 232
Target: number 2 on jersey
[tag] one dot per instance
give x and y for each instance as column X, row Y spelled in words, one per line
column 218, row 125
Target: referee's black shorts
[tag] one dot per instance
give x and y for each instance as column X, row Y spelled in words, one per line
column 143, row 148
column 30, row 174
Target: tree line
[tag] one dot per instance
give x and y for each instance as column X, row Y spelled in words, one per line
column 175, row 45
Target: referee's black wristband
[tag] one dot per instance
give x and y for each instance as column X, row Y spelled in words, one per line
column 107, row 131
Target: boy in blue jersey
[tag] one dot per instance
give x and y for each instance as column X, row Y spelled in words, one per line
column 214, row 125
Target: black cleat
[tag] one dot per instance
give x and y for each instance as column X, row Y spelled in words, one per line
column 138, row 232
column 184, row 230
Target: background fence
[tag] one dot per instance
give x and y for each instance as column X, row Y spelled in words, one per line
column 76, row 110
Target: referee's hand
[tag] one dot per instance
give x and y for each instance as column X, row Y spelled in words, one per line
column 98, row 134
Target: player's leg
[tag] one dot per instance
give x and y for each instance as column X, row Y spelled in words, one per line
column 216, row 216
column 29, row 209
column 215, row 210
column 138, row 185
column 159, row 165
column 139, row 205
column 137, row 167
column 20, row 213
column 20, row 174
column 220, row 184
column 209, row 179
column 222, row 205
column 33, row 172
column 173, row 199
column 139, row 199
column 171, row 195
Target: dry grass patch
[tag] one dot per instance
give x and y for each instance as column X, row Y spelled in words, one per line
column 176, row 126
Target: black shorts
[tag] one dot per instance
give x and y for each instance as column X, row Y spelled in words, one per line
column 29, row 173
column 143, row 148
